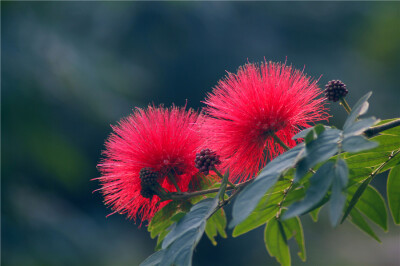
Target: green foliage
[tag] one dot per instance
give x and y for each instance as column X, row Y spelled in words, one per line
column 319, row 185
column 338, row 198
column 266, row 209
column 359, row 221
column 276, row 242
column 393, row 193
column 178, row 245
column 276, row 236
column 332, row 165
column 372, row 205
column 248, row 199
column 216, row 225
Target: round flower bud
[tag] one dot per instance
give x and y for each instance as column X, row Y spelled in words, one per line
column 335, row 89
column 147, row 192
column 148, row 177
column 206, row 160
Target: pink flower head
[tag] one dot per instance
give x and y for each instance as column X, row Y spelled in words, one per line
column 244, row 108
column 163, row 139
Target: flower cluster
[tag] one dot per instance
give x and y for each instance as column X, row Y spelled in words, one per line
column 144, row 149
column 334, row 90
column 206, row 160
column 246, row 108
column 160, row 150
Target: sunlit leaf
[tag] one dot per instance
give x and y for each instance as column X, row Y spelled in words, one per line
column 360, row 190
column 276, row 242
column 314, row 214
column 359, row 221
column 372, row 205
column 393, row 193
column 265, row 210
column 293, row 228
column 216, row 225
column 387, row 143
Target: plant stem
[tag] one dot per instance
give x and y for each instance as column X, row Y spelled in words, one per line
column 222, row 177
column 277, row 139
column 171, row 178
column 285, row 192
column 188, row 195
column 373, row 131
column 345, row 105
column 365, row 183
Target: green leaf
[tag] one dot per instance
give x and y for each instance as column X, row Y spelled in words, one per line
column 265, row 210
column 160, row 239
column 216, row 225
column 359, row 108
column 276, row 242
column 294, row 228
column 393, row 193
column 319, row 150
column 154, row 259
column 319, row 185
column 368, row 159
column 180, row 252
column 251, row 195
column 338, row 199
column 372, row 205
column 161, row 221
column 314, row 214
column 357, row 143
column 359, row 221
column 359, row 127
column 194, row 219
column 319, row 128
column 394, row 161
column 387, row 143
column 360, row 190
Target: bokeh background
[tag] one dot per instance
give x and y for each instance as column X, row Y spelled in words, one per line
column 70, row 69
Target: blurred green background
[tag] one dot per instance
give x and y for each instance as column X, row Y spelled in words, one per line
column 70, row 69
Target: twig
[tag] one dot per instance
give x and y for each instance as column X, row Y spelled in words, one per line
column 373, row 131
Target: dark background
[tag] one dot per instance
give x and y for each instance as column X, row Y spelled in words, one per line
column 70, row 69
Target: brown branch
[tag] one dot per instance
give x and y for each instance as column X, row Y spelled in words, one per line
column 187, row 195
column 373, row 131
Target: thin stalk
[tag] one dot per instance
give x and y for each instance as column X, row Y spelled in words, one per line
column 277, row 139
column 285, row 192
column 188, row 195
column 222, row 177
column 345, row 105
column 171, row 178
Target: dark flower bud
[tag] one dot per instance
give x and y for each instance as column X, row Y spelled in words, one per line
column 206, row 160
column 335, row 89
column 147, row 192
column 148, row 177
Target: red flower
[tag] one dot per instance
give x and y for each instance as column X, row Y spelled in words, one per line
column 160, row 138
column 245, row 107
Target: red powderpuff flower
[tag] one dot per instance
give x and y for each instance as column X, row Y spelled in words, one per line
column 162, row 139
column 244, row 108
